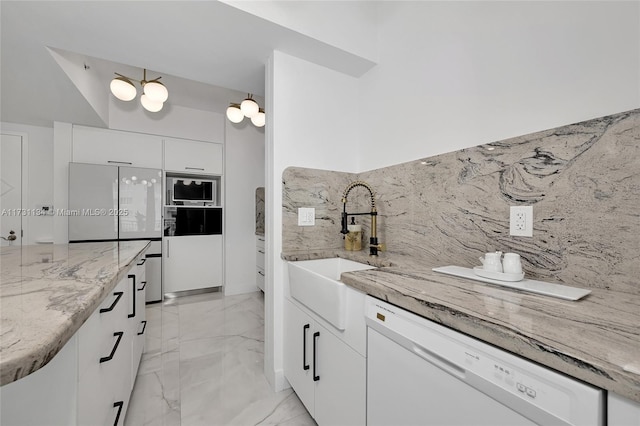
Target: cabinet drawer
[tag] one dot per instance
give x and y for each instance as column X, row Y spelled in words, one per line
column 260, row 278
column 260, row 257
column 96, row 336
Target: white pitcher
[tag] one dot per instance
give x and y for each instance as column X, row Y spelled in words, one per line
column 492, row 261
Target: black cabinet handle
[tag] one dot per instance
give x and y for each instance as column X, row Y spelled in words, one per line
column 118, row 295
column 133, row 314
column 119, row 162
column 115, row 347
column 304, row 347
column 260, row 251
column 261, row 273
column 194, row 168
column 315, row 336
column 144, row 259
column 144, row 327
column 144, row 284
column 118, row 404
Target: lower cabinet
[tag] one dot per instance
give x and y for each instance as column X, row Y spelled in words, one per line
column 328, row 375
column 90, row 380
column 111, row 343
column 192, row 262
column 622, row 411
column 260, row 258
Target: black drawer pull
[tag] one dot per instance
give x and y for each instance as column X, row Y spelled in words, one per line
column 315, row 336
column 144, row 284
column 118, row 295
column 115, row 347
column 118, row 404
column 194, row 168
column 305, row 366
column 133, row 314
column 144, row 259
column 260, row 251
column 144, row 327
column 261, row 273
column 119, row 162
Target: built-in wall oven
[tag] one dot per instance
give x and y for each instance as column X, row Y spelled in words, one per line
column 187, row 220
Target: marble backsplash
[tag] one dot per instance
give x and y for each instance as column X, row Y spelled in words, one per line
column 260, row 210
column 583, row 181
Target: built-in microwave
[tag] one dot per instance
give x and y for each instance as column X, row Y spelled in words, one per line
column 193, row 190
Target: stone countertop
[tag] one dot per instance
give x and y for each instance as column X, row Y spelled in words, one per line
column 595, row 339
column 48, row 291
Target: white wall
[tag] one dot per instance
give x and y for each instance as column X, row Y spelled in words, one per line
column 307, row 127
column 452, row 75
column 39, row 185
column 243, row 173
column 348, row 25
column 173, row 120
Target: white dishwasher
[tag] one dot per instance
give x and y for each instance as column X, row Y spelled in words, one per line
column 421, row 373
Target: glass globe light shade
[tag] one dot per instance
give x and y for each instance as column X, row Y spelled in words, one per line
column 249, row 107
column 123, row 89
column 234, row 114
column 259, row 119
column 156, row 91
column 150, row 105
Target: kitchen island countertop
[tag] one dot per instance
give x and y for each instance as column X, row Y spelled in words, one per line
column 48, row 291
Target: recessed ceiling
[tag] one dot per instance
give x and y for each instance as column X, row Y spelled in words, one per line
column 202, row 49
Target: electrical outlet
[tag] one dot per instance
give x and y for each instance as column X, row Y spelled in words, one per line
column 521, row 221
column 306, row 216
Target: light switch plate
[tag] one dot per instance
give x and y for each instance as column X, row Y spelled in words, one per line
column 521, row 221
column 306, row 216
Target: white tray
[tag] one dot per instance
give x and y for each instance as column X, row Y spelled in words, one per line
column 500, row 276
column 540, row 287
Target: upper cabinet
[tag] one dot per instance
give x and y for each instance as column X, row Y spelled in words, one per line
column 104, row 146
column 188, row 156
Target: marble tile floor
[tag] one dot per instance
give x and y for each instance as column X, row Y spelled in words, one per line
column 203, row 365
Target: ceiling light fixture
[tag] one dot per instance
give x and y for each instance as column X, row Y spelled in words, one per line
column 247, row 108
column 154, row 93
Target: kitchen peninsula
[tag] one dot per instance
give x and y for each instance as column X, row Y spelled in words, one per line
column 49, row 294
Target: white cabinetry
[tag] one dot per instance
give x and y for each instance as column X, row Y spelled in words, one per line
column 328, row 375
column 260, row 257
column 622, row 411
column 188, row 156
column 103, row 146
column 192, row 262
column 110, row 348
column 89, row 381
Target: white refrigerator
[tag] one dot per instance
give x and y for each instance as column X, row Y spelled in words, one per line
column 112, row 203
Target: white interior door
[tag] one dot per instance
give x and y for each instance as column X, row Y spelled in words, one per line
column 11, row 190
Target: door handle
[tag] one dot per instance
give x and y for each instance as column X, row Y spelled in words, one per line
column 133, row 314
column 118, row 404
column 119, row 162
column 167, row 249
column 144, row 327
column 315, row 337
column 118, row 295
column 194, row 168
column 305, row 366
column 114, row 349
